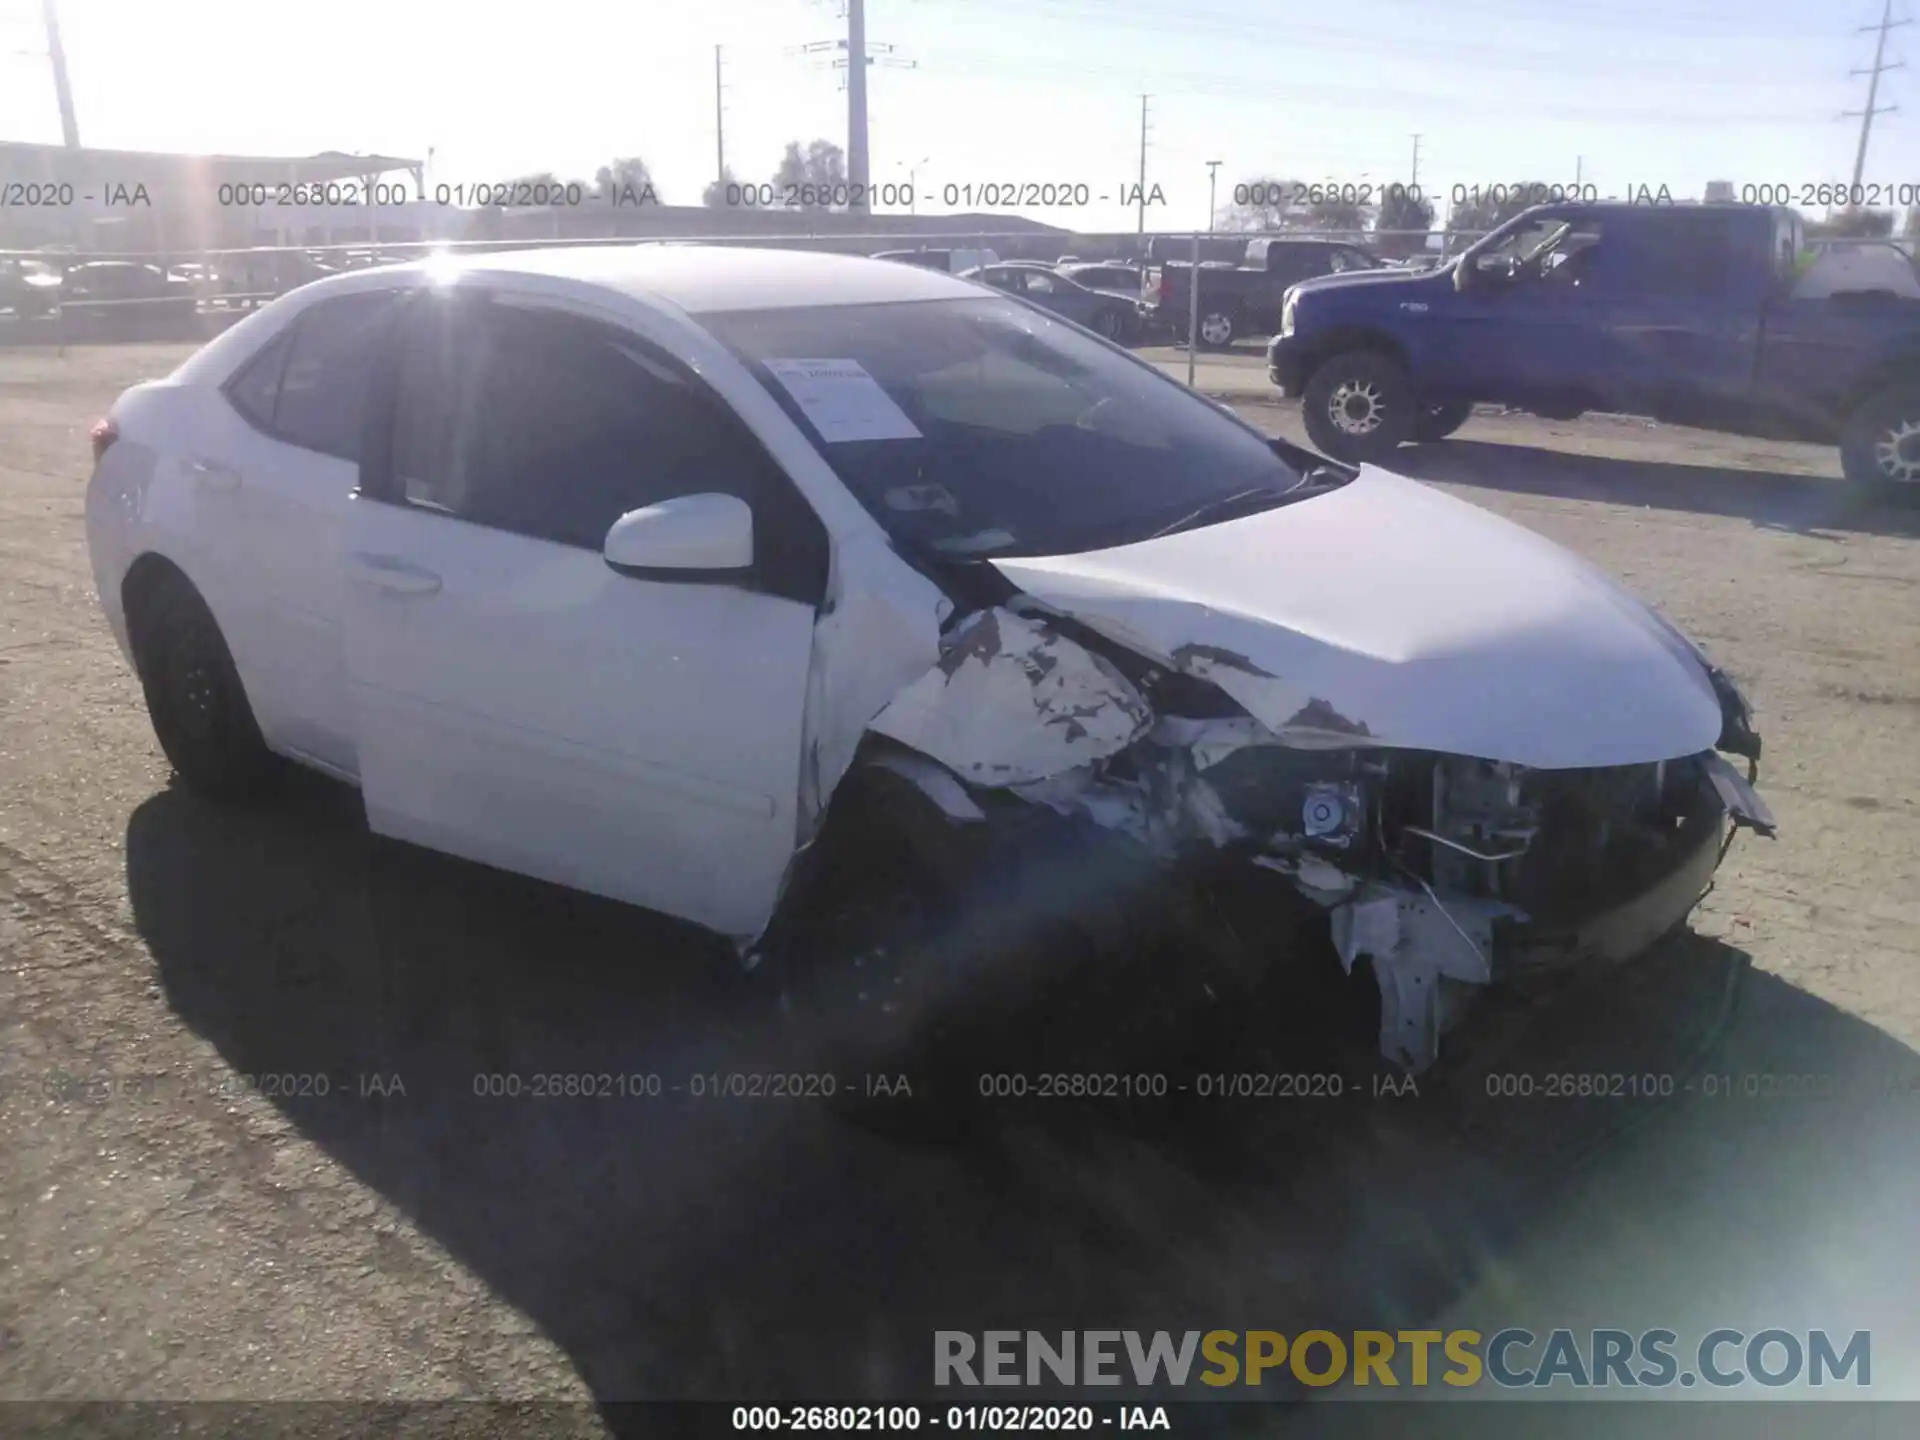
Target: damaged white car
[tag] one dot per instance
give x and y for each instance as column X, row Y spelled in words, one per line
column 784, row 592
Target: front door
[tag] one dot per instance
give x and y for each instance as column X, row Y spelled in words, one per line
column 519, row 702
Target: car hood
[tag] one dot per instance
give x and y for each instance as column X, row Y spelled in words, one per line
column 1355, row 279
column 1388, row 612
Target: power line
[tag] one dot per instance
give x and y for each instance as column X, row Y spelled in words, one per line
column 1887, row 22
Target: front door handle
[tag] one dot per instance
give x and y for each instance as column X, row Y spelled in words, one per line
column 392, row 574
column 213, row 474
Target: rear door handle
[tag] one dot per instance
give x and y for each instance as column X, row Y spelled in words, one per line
column 213, row 475
column 392, row 574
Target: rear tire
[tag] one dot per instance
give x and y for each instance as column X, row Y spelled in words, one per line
column 1216, row 330
column 1359, row 406
column 195, row 700
column 1880, row 446
column 1437, row 422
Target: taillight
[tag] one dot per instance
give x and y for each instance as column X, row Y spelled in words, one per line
column 1166, row 287
column 102, row 433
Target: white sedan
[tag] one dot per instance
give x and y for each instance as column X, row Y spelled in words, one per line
column 631, row 568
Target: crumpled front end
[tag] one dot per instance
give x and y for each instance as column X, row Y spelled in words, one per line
column 1442, row 874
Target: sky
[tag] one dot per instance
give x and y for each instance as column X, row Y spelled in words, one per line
column 1618, row 93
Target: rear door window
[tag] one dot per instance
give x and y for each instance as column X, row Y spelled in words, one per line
column 322, row 397
column 255, row 389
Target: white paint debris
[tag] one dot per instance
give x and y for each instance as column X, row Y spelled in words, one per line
column 1013, row 701
column 936, row 784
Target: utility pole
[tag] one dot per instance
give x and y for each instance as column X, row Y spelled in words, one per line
column 857, row 104
column 855, row 56
column 1143, row 162
column 1415, row 186
column 719, row 128
column 1213, row 175
column 63, row 91
column 1579, row 169
column 1887, row 22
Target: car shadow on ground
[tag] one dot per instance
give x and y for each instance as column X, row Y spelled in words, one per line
column 675, row 1247
column 1801, row 503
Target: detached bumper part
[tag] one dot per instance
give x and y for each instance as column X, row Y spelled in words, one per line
column 1427, row 948
column 1424, row 951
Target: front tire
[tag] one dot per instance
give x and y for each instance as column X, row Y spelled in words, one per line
column 195, row 700
column 1437, row 422
column 1109, row 325
column 1880, row 446
column 1359, row 406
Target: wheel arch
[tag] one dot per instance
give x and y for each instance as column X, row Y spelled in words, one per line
column 1904, row 371
column 1349, row 338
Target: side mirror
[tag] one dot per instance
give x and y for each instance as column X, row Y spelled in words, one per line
column 688, row 533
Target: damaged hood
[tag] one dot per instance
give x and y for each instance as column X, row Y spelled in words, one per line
column 1389, row 612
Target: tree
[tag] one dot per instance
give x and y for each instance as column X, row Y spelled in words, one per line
column 1402, row 225
column 1911, row 230
column 1854, row 223
column 1337, row 216
column 821, row 168
column 714, row 197
column 1263, row 202
column 538, row 188
column 624, row 178
column 1491, row 206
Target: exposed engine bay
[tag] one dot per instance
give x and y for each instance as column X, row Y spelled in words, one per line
column 1440, row 873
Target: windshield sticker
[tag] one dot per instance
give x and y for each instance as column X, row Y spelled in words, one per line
column 842, row 400
column 974, row 544
column 907, row 498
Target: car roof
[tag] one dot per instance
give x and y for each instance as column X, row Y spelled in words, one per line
column 710, row 278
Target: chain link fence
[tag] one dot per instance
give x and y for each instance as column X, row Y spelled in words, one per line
column 63, row 297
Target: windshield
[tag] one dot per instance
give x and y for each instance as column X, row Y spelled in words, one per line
column 983, row 427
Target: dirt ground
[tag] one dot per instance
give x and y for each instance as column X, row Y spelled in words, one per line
column 168, row 1231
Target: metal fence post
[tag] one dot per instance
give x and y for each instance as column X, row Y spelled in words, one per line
column 1193, row 309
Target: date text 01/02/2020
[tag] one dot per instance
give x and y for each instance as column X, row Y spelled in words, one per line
column 992, row 1419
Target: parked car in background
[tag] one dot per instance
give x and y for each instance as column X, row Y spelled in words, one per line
column 1244, row 300
column 29, row 289
column 914, row 671
column 953, row 262
column 1105, row 314
column 1114, row 277
column 119, row 298
column 1702, row 315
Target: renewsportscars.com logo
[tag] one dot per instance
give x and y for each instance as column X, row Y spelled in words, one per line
column 1509, row 1359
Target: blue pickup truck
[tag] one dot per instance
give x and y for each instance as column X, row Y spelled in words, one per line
column 1685, row 313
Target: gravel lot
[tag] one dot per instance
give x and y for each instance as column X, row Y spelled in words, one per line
column 165, row 1233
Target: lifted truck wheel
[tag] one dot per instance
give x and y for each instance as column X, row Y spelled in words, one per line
column 1880, row 447
column 1359, row 406
column 1437, row 422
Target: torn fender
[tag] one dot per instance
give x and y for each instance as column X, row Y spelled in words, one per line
column 870, row 642
column 1012, row 701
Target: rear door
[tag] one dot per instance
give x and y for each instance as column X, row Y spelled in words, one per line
column 1667, row 284
column 272, row 468
column 519, row 702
